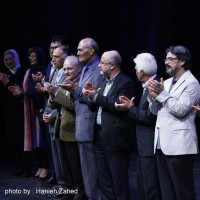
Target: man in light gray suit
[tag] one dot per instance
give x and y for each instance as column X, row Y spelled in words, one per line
column 85, row 118
column 58, row 77
column 175, row 140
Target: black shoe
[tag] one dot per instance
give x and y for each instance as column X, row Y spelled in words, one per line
column 51, row 181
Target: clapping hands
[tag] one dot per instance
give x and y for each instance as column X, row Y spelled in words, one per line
column 15, row 90
column 4, row 78
column 90, row 91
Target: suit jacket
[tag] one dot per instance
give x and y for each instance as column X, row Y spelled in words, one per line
column 65, row 123
column 145, row 125
column 51, row 111
column 175, row 125
column 85, row 118
column 115, row 126
column 47, row 77
column 54, row 111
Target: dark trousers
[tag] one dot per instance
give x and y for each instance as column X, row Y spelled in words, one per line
column 71, row 161
column 147, row 178
column 176, row 176
column 56, row 153
column 50, row 156
column 113, row 171
column 88, row 159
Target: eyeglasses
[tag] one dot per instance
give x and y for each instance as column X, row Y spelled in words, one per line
column 104, row 63
column 170, row 59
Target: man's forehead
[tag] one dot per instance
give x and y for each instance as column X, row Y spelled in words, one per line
column 53, row 44
column 57, row 51
column 83, row 44
column 68, row 65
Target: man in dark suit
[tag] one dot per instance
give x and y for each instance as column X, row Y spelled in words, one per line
column 112, row 128
column 148, row 183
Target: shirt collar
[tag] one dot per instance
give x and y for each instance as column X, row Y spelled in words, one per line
column 76, row 79
column 112, row 79
column 96, row 58
column 144, row 85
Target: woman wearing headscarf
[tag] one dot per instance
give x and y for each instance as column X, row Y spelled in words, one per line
column 12, row 137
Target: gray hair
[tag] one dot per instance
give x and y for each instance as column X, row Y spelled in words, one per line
column 147, row 63
column 91, row 43
column 75, row 60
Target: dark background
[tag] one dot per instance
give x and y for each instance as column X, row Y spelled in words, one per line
column 130, row 27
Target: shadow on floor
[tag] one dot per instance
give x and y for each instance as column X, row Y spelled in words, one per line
column 14, row 188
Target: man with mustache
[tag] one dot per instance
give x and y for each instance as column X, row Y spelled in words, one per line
column 175, row 141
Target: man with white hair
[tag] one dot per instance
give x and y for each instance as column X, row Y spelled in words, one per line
column 148, row 183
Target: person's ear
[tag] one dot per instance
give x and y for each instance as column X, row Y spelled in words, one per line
column 91, row 51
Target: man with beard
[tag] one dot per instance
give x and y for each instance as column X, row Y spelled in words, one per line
column 175, row 140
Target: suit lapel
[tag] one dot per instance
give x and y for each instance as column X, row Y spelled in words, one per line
column 91, row 67
column 102, row 84
column 144, row 97
column 146, row 93
column 117, row 79
column 87, row 75
column 180, row 81
column 62, row 78
column 175, row 87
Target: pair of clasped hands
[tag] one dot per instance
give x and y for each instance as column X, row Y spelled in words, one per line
column 90, row 91
column 4, row 78
column 67, row 85
column 124, row 103
column 154, row 87
column 16, row 90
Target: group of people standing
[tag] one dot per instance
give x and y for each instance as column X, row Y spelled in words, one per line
column 80, row 115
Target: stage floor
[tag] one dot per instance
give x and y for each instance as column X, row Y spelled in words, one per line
column 14, row 188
